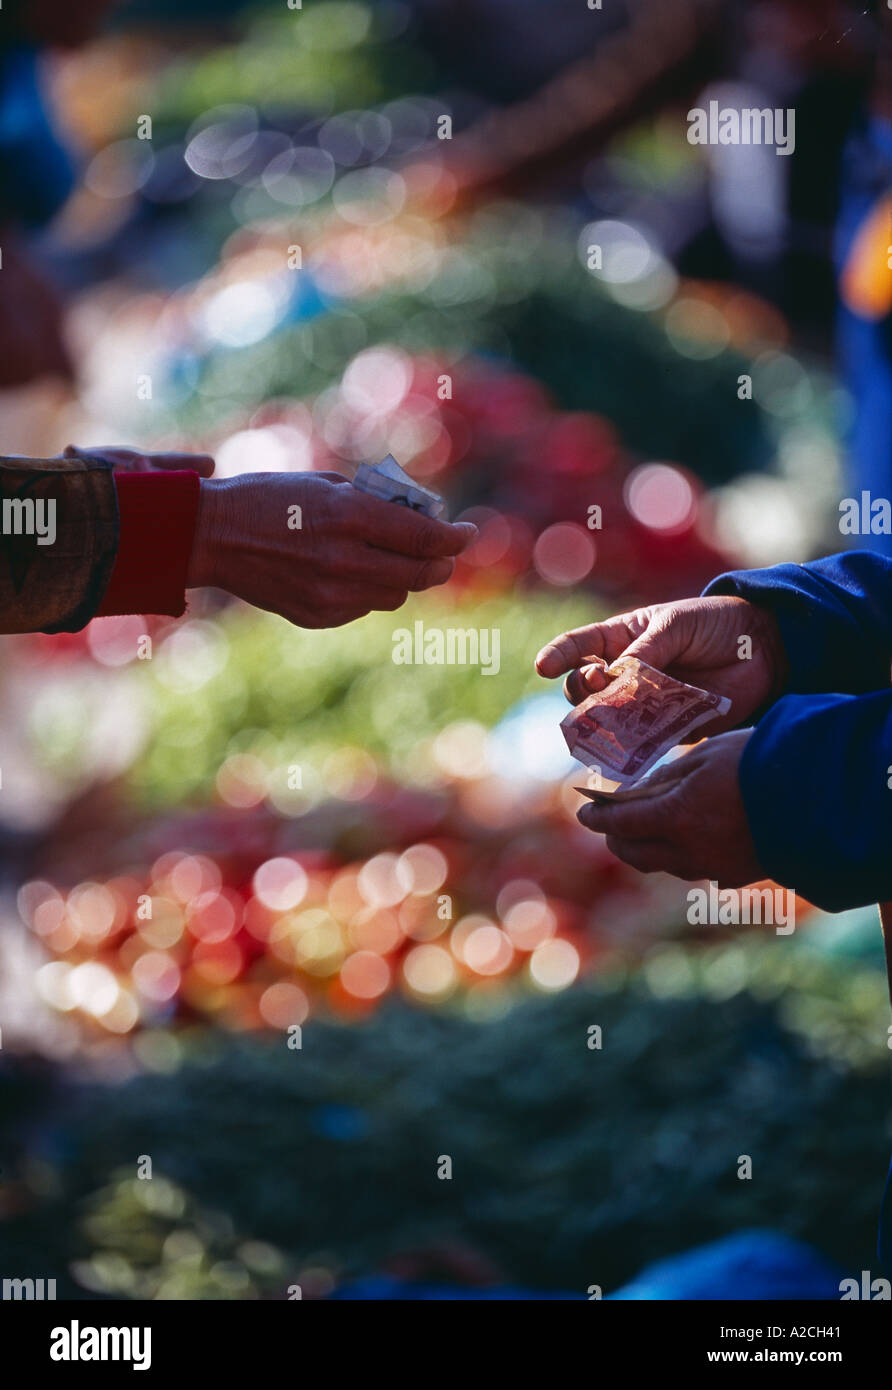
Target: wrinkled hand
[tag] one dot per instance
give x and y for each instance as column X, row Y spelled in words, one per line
column 352, row 553
column 132, row 461
column 696, row 827
column 697, row 640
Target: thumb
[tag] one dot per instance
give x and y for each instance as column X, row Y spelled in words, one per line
column 659, row 645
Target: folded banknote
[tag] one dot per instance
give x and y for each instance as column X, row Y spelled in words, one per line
column 622, row 730
column 392, row 484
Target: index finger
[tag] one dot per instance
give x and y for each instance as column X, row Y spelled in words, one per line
column 137, row 461
column 202, row 464
column 387, row 526
column 608, row 640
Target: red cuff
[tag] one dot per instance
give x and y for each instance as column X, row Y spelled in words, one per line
column 157, row 512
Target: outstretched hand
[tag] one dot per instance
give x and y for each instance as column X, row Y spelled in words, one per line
column 723, row 644
column 312, row 548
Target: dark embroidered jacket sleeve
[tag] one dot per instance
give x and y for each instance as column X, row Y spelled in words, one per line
column 55, row 560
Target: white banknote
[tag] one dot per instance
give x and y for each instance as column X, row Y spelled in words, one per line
column 392, row 484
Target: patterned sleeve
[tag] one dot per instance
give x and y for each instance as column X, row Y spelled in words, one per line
column 58, row 540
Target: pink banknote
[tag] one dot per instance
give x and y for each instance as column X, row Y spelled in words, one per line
column 622, row 730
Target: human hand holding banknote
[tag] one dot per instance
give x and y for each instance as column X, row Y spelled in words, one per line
column 700, row 641
column 689, row 822
column 632, row 677
column 351, row 550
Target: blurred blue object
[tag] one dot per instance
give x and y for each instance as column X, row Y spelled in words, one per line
column 749, row 1265
column 527, row 744
column 36, row 172
column 342, row 1122
column 851, row 936
column 307, row 300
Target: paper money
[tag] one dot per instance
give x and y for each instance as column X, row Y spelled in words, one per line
column 622, row 730
column 640, row 791
column 389, row 482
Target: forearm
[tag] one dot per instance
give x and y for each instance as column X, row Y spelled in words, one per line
column 207, row 559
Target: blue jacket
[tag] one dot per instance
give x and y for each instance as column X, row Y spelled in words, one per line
column 816, row 776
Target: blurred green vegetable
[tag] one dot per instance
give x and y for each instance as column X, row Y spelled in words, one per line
column 571, row 1165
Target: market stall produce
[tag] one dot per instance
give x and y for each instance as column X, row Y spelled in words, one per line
column 291, row 912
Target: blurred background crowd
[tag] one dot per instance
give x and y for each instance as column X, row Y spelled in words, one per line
column 240, row 231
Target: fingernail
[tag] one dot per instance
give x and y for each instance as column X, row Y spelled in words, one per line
column 591, row 681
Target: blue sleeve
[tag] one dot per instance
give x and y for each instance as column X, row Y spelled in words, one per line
column 815, row 778
column 815, row 775
column 835, row 617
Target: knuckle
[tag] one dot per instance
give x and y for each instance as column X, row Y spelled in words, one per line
column 432, row 572
column 423, row 542
column 662, row 619
column 358, row 565
column 330, row 509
